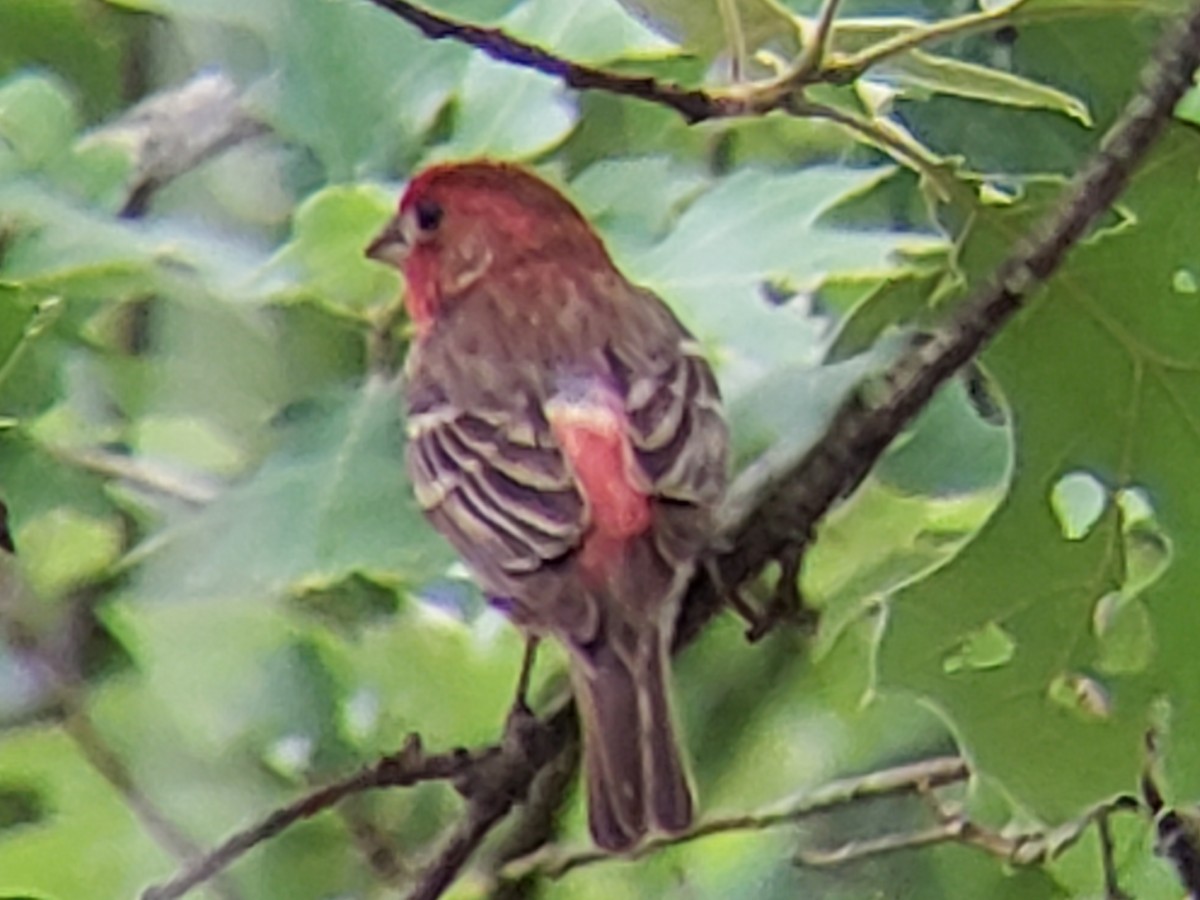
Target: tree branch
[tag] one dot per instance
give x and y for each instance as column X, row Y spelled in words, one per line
column 1177, row 834
column 853, row 66
column 482, row 815
column 697, row 105
column 408, row 767
column 907, row 779
column 54, row 659
column 693, row 105
column 1026, row 849
column 145, row 475
column 173, row 132
column 812, row 58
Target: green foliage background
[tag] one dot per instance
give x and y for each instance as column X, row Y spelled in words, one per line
column 1016, row 580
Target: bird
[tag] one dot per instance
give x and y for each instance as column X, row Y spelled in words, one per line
column 565, row 433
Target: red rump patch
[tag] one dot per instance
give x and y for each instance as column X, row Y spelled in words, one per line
column 594, row 436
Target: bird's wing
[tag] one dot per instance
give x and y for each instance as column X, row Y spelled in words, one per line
column 677, row 428
column 496, row 484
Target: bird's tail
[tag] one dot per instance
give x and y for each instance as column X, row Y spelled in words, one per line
column 636, row 779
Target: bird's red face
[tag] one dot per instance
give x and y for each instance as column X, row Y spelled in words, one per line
column 457, row 222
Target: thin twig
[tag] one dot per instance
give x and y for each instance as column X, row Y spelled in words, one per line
column 908, row 153
column 482, row 815
column 696, row 105
column 374, row 844
column 855, row 65
column 812, row 57
column 853, row 851
column 173, row 132
column 140, row 473
column 536, row 823
column 408, row 767
column 1112, row 885
column 693, row 105
column 55, row 661
column 1027, row 849
column 911, row 779
column 499, row 779
column 781, row 94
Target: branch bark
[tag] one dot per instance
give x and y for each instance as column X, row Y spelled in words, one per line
column 171, row 133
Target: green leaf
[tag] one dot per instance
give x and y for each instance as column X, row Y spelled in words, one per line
column 1062, row 724
column 428, row 670
column 36, row 484
column 29, row 351
column 37, row 119
column 510, row 112
column 635, row 200
column 81, row 805
column 348, row 604
column 1078, row 500
column 227, row 12
column 507, row 112
column 758, row 229
column 209, row 707
column 611, row 127
column 1065, row 47
column 82, row 43
column 63, row 548
column 65, row 246
column 213, row 373
column 355, row 84
column 1125, row 629
column 584, row 31
column 950, row 450
column 200, row 729
column 330, row 500
column 874, row 543
column 943, row 75
column 701, row 27
column 331, row 230
column 1141, row 871
column 988, row 648
column 790, row 407
column 1188, row 109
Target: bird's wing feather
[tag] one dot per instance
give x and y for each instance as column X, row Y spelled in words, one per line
column 503, row 491
column 677, row 428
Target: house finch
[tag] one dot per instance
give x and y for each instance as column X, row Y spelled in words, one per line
column 566, row 436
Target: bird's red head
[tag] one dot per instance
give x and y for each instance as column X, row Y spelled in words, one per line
column 459, row 221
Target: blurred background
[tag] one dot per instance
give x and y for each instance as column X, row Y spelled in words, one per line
column 222, row 594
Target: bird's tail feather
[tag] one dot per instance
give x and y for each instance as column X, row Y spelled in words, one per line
column 634, row 773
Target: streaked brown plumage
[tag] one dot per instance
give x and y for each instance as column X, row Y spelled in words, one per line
column 566, row 436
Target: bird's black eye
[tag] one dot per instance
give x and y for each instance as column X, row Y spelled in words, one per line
column 429, row 215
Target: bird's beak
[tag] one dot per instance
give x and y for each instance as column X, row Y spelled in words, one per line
column 390, row 245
